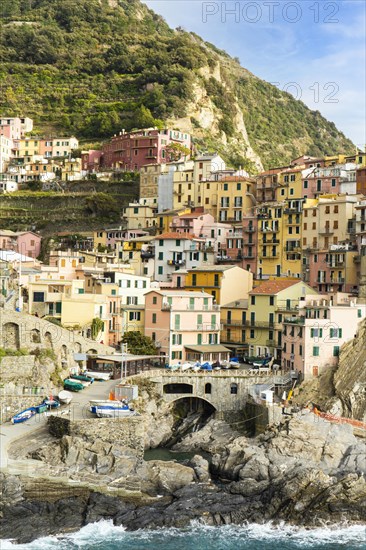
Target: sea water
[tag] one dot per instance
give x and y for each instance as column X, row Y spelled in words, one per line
column 105, row 536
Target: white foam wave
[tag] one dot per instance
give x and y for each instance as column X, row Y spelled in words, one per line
column 104, row 534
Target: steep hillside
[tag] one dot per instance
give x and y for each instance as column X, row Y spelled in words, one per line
column 92, row 67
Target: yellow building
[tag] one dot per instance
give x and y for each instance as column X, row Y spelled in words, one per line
column 45, row 296
column 27, row 148
column 226, row 283
column 149, row 175
column 140, row 215
column 183, row 188
column 269, row 304
column 233, row 323
column 139, row 254
column 289, row 184
column 165, row 219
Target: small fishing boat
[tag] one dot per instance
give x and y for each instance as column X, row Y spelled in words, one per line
column 41, row 408
column 23, row 415
column 206, row 366
column 234, row 363
column 82, row 378
column 196, row 367
column 98, row 375
column 51, row 403
column 225, row 364
column 71, row 385
column 107, row 403
column 65, row 397
column 111, row 412
column 185, row 366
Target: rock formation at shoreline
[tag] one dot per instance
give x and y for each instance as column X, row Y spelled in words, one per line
column 305, row 471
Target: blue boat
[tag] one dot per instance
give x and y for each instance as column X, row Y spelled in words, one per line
column 23, row 415
column 206, row 366
column 51, row 403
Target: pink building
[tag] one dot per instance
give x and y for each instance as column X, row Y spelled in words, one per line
column 15, row 127
column 132, row 150
column 24, row 242
column 90, row 160
column 185, row 325
column 314, row 335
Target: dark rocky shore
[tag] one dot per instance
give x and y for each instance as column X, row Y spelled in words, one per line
column 304, row 471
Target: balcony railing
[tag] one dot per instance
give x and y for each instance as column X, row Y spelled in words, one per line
column 326, row 231
column 338, row 281
column 294, row 320
column 146, row 254
column 165, row 306
column 176, row 262
column 271, row 343
column 249, row 229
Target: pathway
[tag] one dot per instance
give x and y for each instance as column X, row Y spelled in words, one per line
column 77, row 409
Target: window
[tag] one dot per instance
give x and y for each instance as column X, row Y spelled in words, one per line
column 177, row 242
column 199, row 321
column 305, row 226
column 252, row 300
column 238, row 186
column 252, row 334
column 359, row 313
column 135, row 316
column 335, row 224
column 38, row 296
column 153, row 318
column 233, row 389
column 161, row 242
column 194, row 279
column 132, row 300
column 336, row 209
column 161, row 256
column 316, row 333
column 160, row 270
column 226, row 187
column 282, row 192
column 216, row 280
column 155, row 300
column 291, row 190
column 314, row 225
column 176, row 339
column 305, row 184
column 336, row 351
column 333, row 182
column 177, row 322
column 315, row 351
column 271, row 300
column 335, row 333
column 199, row 339
column 208, row 388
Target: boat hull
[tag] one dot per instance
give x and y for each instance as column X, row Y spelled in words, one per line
column 65, row 397
column 99, row 375
column 23, row 415
column 69, row 385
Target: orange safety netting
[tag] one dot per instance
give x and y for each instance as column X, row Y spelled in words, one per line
column 340, row 419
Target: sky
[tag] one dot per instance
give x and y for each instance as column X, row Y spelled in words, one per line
column 313, row 49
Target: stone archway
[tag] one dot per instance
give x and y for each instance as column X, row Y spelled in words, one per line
column 47, row 340
column 92, row 352
column 11, row 336
column 194, row 403
column 35, row 336
column 77, row 347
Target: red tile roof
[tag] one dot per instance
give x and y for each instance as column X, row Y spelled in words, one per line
column 174, row 236
column 275, row 286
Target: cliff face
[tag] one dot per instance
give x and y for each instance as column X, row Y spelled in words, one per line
column 350, row 379
column 98, row 66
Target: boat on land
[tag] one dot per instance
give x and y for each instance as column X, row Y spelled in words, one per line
column 111, row 412
column 104, row 376
column 51, row 403
column 186, row 366
column 234, row 363
column 206, row 366
column 82, row 378
column 72, row 385
column 106, row 403
column 267, row 362
column 173, row 367
column 24, row 415
column 65, row 397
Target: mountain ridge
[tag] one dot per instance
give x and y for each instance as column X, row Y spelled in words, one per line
column 98, row 66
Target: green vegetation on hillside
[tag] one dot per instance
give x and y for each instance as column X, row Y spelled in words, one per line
column 93, row 67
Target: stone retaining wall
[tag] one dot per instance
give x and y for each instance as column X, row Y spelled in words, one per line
column 126, row 432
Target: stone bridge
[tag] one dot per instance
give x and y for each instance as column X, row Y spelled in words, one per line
column 20, row 330
column 224, row 390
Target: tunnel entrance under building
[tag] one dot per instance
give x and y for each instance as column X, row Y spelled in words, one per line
column 191, row 414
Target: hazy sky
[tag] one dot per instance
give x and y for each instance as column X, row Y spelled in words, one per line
column 313, row 49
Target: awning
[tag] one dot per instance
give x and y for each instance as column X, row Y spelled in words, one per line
column 208, row 348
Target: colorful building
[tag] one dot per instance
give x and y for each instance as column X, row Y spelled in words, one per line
column 226, row 283
column 184, row 325
column 315, row 331
column 268, row 305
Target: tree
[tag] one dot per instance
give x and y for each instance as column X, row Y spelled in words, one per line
column 175, row 151
column 139, row 344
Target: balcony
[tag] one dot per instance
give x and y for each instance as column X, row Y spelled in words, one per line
column 336, row 264
column 326, row 231
column 225, row 259
column 338, row 281
column 261, row 324
column 230, row 323
column 267, row 229
column 165, row 306
column 249, row 229
column 176, row 262
column 147, row 254
column 248, row 257
column 357, row 259
column 271, row 343
column 294, row 320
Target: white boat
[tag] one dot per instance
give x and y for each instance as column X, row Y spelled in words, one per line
column 65, row 397
column 113, row 413
column 98, row 375
column 186, row 366
column 225, row 364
